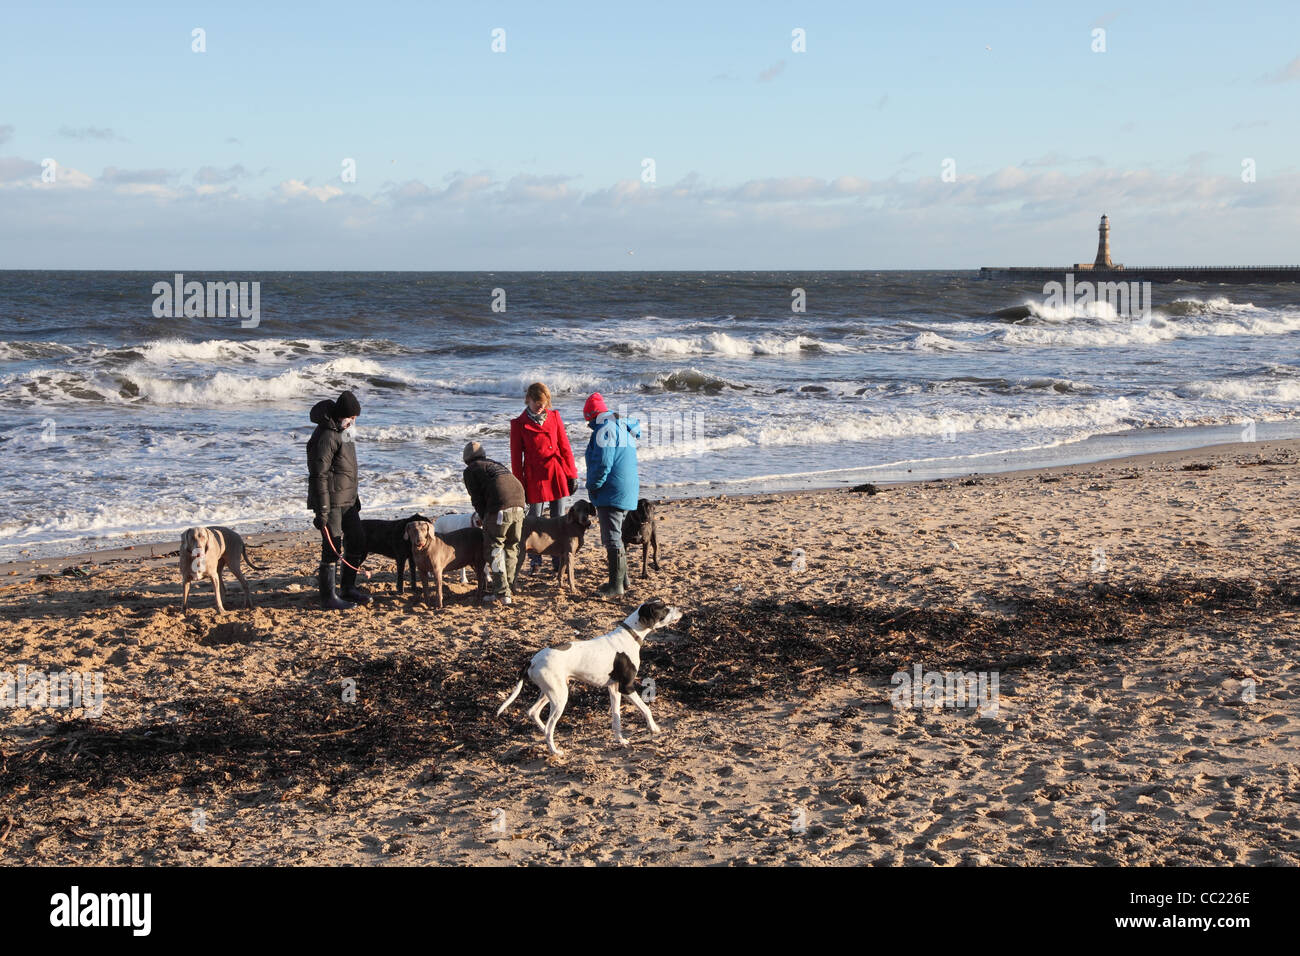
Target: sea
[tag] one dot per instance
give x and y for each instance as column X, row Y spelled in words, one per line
column 124, row 426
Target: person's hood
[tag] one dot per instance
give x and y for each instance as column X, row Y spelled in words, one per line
column 631, row 424
column 322, row 413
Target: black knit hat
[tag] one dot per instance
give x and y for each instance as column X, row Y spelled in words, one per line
column 347, row 406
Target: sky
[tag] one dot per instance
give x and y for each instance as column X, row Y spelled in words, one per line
column 646, row 135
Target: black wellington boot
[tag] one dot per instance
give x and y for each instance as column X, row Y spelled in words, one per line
column 329, row 599
column 348, row 578
column 616, row 559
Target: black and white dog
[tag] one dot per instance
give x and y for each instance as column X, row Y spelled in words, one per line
column 610, row 660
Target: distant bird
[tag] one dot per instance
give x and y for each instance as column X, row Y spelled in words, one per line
column 631, row 253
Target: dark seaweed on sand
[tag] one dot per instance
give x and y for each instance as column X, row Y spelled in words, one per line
column 411, row 711
column 740, row 650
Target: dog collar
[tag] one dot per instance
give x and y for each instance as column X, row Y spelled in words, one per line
column 639, row 637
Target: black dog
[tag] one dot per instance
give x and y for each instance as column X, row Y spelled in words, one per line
column 389, row 539
column 639, row 528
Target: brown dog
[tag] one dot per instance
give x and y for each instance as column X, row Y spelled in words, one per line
column 205, row 552
column 441, row 553
column 560, row 538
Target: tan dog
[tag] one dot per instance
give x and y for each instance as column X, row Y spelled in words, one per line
column 205, row 552
column 437, row 553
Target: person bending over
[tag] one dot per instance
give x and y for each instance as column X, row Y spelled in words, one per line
column 498, row 500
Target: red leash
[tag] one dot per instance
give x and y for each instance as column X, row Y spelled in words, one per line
column 341, row 558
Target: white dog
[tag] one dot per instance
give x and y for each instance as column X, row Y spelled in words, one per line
column 205, row 553
column 610, row 660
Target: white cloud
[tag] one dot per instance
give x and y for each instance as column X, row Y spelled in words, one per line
column 296, row 188
column 17, row 173
column 537, row 188
column 1015, row 214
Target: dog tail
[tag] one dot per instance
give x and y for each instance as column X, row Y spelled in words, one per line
column 511, row 699
column 523, row 674
column 249, row 561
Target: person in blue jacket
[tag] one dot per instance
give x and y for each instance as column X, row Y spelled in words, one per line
column 612, row 483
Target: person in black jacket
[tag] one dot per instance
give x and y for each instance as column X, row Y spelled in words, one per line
column 332, row 496
column 498, row 499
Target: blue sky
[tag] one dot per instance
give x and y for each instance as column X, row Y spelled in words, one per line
column 532, row 158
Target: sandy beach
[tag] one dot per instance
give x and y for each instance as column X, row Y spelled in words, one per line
column 1140, row 616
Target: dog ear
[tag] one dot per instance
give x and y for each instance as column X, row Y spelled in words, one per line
column 652, row 612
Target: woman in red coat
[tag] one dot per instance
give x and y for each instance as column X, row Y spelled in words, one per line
column 541, row 458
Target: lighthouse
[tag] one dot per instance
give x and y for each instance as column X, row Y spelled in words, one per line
column 1103, row 246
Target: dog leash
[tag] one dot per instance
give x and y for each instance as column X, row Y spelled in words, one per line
column 340, row 557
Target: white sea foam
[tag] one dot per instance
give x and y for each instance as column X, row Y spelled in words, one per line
column 225, row 388
column 934, row 342
column 860, row 428
column 1068, row 310
column 731, row 346
column 512, row 386
column 1255, row 390
column 163, row 353
column 166, row 352
column 419, row 433
column 1247, row 321
column 133, row 385
column 1218, row 303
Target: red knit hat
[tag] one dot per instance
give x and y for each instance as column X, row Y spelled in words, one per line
column 595, row 406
